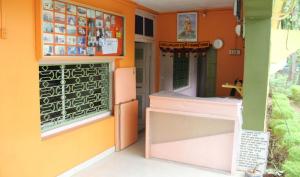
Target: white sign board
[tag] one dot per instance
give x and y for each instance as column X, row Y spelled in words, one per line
column 253, row 150
column 110, row 46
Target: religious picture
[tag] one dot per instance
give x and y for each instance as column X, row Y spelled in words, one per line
column 187, row 26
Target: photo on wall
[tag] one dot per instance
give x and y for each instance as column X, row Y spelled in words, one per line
column 91, row 13
column 91, row 51
column 71, row 20
column 187, row 27
column 47, row 16
column 81, row 40
column 48, row 50
column 71, row 40
column 60, row 18
column 60, row 28
column 48, row 38
column 60, row 39
column 91, row 23
column 60, row 7
column 48, row 27
column 81, row 21
column 92, row 41
column 99, row 15
column 113, row 20
column 71, row 30
column 48, row 4
column 81, row 50
column 60, row 50
column 99, row 23
column 107, row 21
column 72, row 50
column 81, row 11
column 71, row 9
column 81, row 31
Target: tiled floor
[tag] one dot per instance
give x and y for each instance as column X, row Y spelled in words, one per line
column 131, row 163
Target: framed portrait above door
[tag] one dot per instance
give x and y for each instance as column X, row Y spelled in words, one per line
column 187, row 27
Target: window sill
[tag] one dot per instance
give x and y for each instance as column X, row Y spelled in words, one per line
column 65, row 128
column 182, row 88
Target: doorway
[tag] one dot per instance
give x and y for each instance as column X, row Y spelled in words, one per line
column 207, row 74
column 143, row 63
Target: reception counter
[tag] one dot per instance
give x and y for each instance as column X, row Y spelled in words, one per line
column 198, row 131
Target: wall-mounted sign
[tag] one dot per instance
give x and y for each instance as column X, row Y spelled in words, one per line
column 76, row 30
column 253, row 150
column 235, row 52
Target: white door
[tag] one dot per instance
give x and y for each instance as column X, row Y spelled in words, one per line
column 142, row 64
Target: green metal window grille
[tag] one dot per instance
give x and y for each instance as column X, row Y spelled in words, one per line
column 73, row 92
column 181, row 65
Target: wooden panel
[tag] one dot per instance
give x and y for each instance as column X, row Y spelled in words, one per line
column 126, row 124
column 125, row 85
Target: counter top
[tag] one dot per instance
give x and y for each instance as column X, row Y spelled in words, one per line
column 174, row 95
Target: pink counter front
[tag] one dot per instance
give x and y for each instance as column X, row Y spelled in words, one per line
column 198, row 131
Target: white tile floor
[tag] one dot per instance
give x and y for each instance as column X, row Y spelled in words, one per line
column 131, row 163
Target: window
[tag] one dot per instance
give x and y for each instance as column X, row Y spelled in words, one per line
column 71, row 93
column 181, row 70
column 139, row 25
column 148, row 27
column 144, row 26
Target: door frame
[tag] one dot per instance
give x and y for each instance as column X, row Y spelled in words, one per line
column 152, row 42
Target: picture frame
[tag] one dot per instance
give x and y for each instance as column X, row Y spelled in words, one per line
column 187, row 27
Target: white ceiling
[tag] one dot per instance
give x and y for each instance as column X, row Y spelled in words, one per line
column 183, row 5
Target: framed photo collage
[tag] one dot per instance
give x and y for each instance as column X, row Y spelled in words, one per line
column 74, row 30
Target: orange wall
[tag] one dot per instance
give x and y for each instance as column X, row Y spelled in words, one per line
column 22, row 152
column 218, row 23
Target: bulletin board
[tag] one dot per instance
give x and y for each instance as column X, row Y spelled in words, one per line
column 70, row 29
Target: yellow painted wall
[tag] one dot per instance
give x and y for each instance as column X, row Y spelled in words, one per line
column 22, row 152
